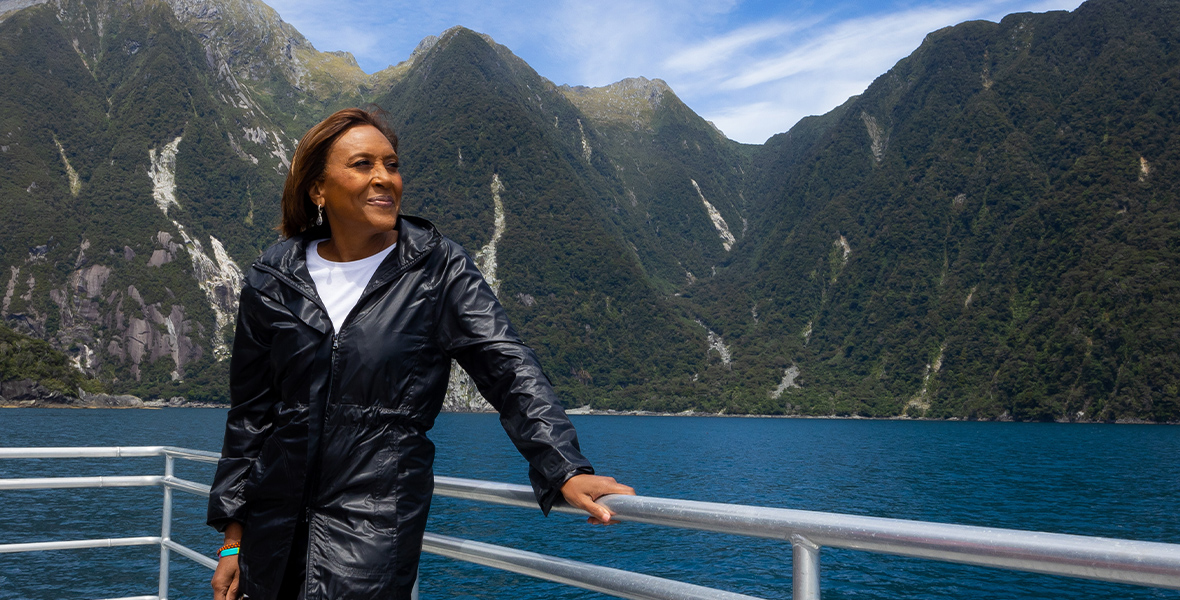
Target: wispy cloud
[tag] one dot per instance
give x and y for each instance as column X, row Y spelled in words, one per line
column 606, row 41
column 862, row 45
column 723, row 49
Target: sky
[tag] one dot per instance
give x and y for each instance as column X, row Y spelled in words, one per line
column 752, row 67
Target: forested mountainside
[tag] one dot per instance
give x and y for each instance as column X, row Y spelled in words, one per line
column 989, row 231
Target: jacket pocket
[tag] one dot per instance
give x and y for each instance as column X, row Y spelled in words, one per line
column 351, row 547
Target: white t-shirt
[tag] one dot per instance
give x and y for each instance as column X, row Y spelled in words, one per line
column 340, row 284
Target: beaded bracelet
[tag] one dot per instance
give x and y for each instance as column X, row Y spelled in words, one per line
column 229, row 549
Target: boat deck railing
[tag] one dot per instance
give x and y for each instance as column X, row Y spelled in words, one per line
column 1105, row 559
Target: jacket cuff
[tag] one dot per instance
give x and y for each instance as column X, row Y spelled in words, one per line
column 548, row 492
column 221, row 523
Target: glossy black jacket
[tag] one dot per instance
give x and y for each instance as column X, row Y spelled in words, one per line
column 330, row 426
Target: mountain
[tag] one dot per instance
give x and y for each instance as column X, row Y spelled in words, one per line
column 987, row 232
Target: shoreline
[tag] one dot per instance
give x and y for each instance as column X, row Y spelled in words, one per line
column 690, row 413
column 147, row 404
column 578, row 412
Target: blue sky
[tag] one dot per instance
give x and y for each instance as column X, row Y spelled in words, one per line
column 753, row 67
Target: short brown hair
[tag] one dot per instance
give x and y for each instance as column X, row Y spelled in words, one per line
column 311, row 157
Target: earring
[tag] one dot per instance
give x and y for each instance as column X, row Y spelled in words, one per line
column 319, row 217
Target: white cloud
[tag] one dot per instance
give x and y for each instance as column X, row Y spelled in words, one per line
column 723, row 48
column 778, row 108
column 610, row 40
column 861, row 46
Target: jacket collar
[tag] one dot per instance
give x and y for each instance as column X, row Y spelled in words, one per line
column 416, row 238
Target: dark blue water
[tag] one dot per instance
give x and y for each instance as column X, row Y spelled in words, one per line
column 1108, row 480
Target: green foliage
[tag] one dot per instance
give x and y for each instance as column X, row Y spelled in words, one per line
column 24, row 357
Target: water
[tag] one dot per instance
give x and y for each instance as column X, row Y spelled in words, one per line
column 1108, row 480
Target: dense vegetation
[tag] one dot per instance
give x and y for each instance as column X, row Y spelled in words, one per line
column 989, row 231
column 24, row 357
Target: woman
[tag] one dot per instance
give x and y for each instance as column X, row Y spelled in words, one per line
column 345, row 334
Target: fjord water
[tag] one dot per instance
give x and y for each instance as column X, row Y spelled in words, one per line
column 1108, row 480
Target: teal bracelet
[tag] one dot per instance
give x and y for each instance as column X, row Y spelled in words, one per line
column 228, row 552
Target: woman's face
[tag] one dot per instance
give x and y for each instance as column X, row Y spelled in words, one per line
column 361, row 189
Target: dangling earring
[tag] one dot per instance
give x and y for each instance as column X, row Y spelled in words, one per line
column 319, row 217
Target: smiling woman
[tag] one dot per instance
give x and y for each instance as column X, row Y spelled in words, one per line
column 345, row 336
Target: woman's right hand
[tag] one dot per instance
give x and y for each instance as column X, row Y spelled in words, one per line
column 225, row 577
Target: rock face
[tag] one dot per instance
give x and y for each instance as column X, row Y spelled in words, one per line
column 462, row 394
column 110, row 400
column 27, row 393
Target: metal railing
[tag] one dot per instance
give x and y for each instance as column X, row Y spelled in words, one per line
column 1104, row 559
column 168, row 481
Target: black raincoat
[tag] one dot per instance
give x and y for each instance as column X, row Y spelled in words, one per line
column 329, row 427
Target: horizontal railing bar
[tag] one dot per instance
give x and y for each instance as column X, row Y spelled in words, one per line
column 136, row 598
column 1123, row 561
column 190, row 553
column 615, row 582
column 45, row 483
column 83, row 452
column 79, row 544
column 191, row 487
column 494, row 492
column 110, row 452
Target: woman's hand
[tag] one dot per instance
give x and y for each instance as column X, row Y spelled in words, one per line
column 225, row 577
column 581, row 491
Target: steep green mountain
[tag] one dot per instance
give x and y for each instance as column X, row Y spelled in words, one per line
column 502, row 162
column 131, row 194
column 989, row 231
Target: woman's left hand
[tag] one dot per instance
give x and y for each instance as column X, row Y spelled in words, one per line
column 581, row 491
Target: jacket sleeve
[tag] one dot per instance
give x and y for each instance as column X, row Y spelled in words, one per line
column 248, row 424
column 474, row 330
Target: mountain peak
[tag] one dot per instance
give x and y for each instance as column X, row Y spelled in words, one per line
column 459, row 29
column 631, row 101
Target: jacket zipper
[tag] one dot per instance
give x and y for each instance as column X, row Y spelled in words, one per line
column 313, row 470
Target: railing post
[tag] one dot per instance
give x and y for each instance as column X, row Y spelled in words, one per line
column 805, row 569
column 166, row 529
